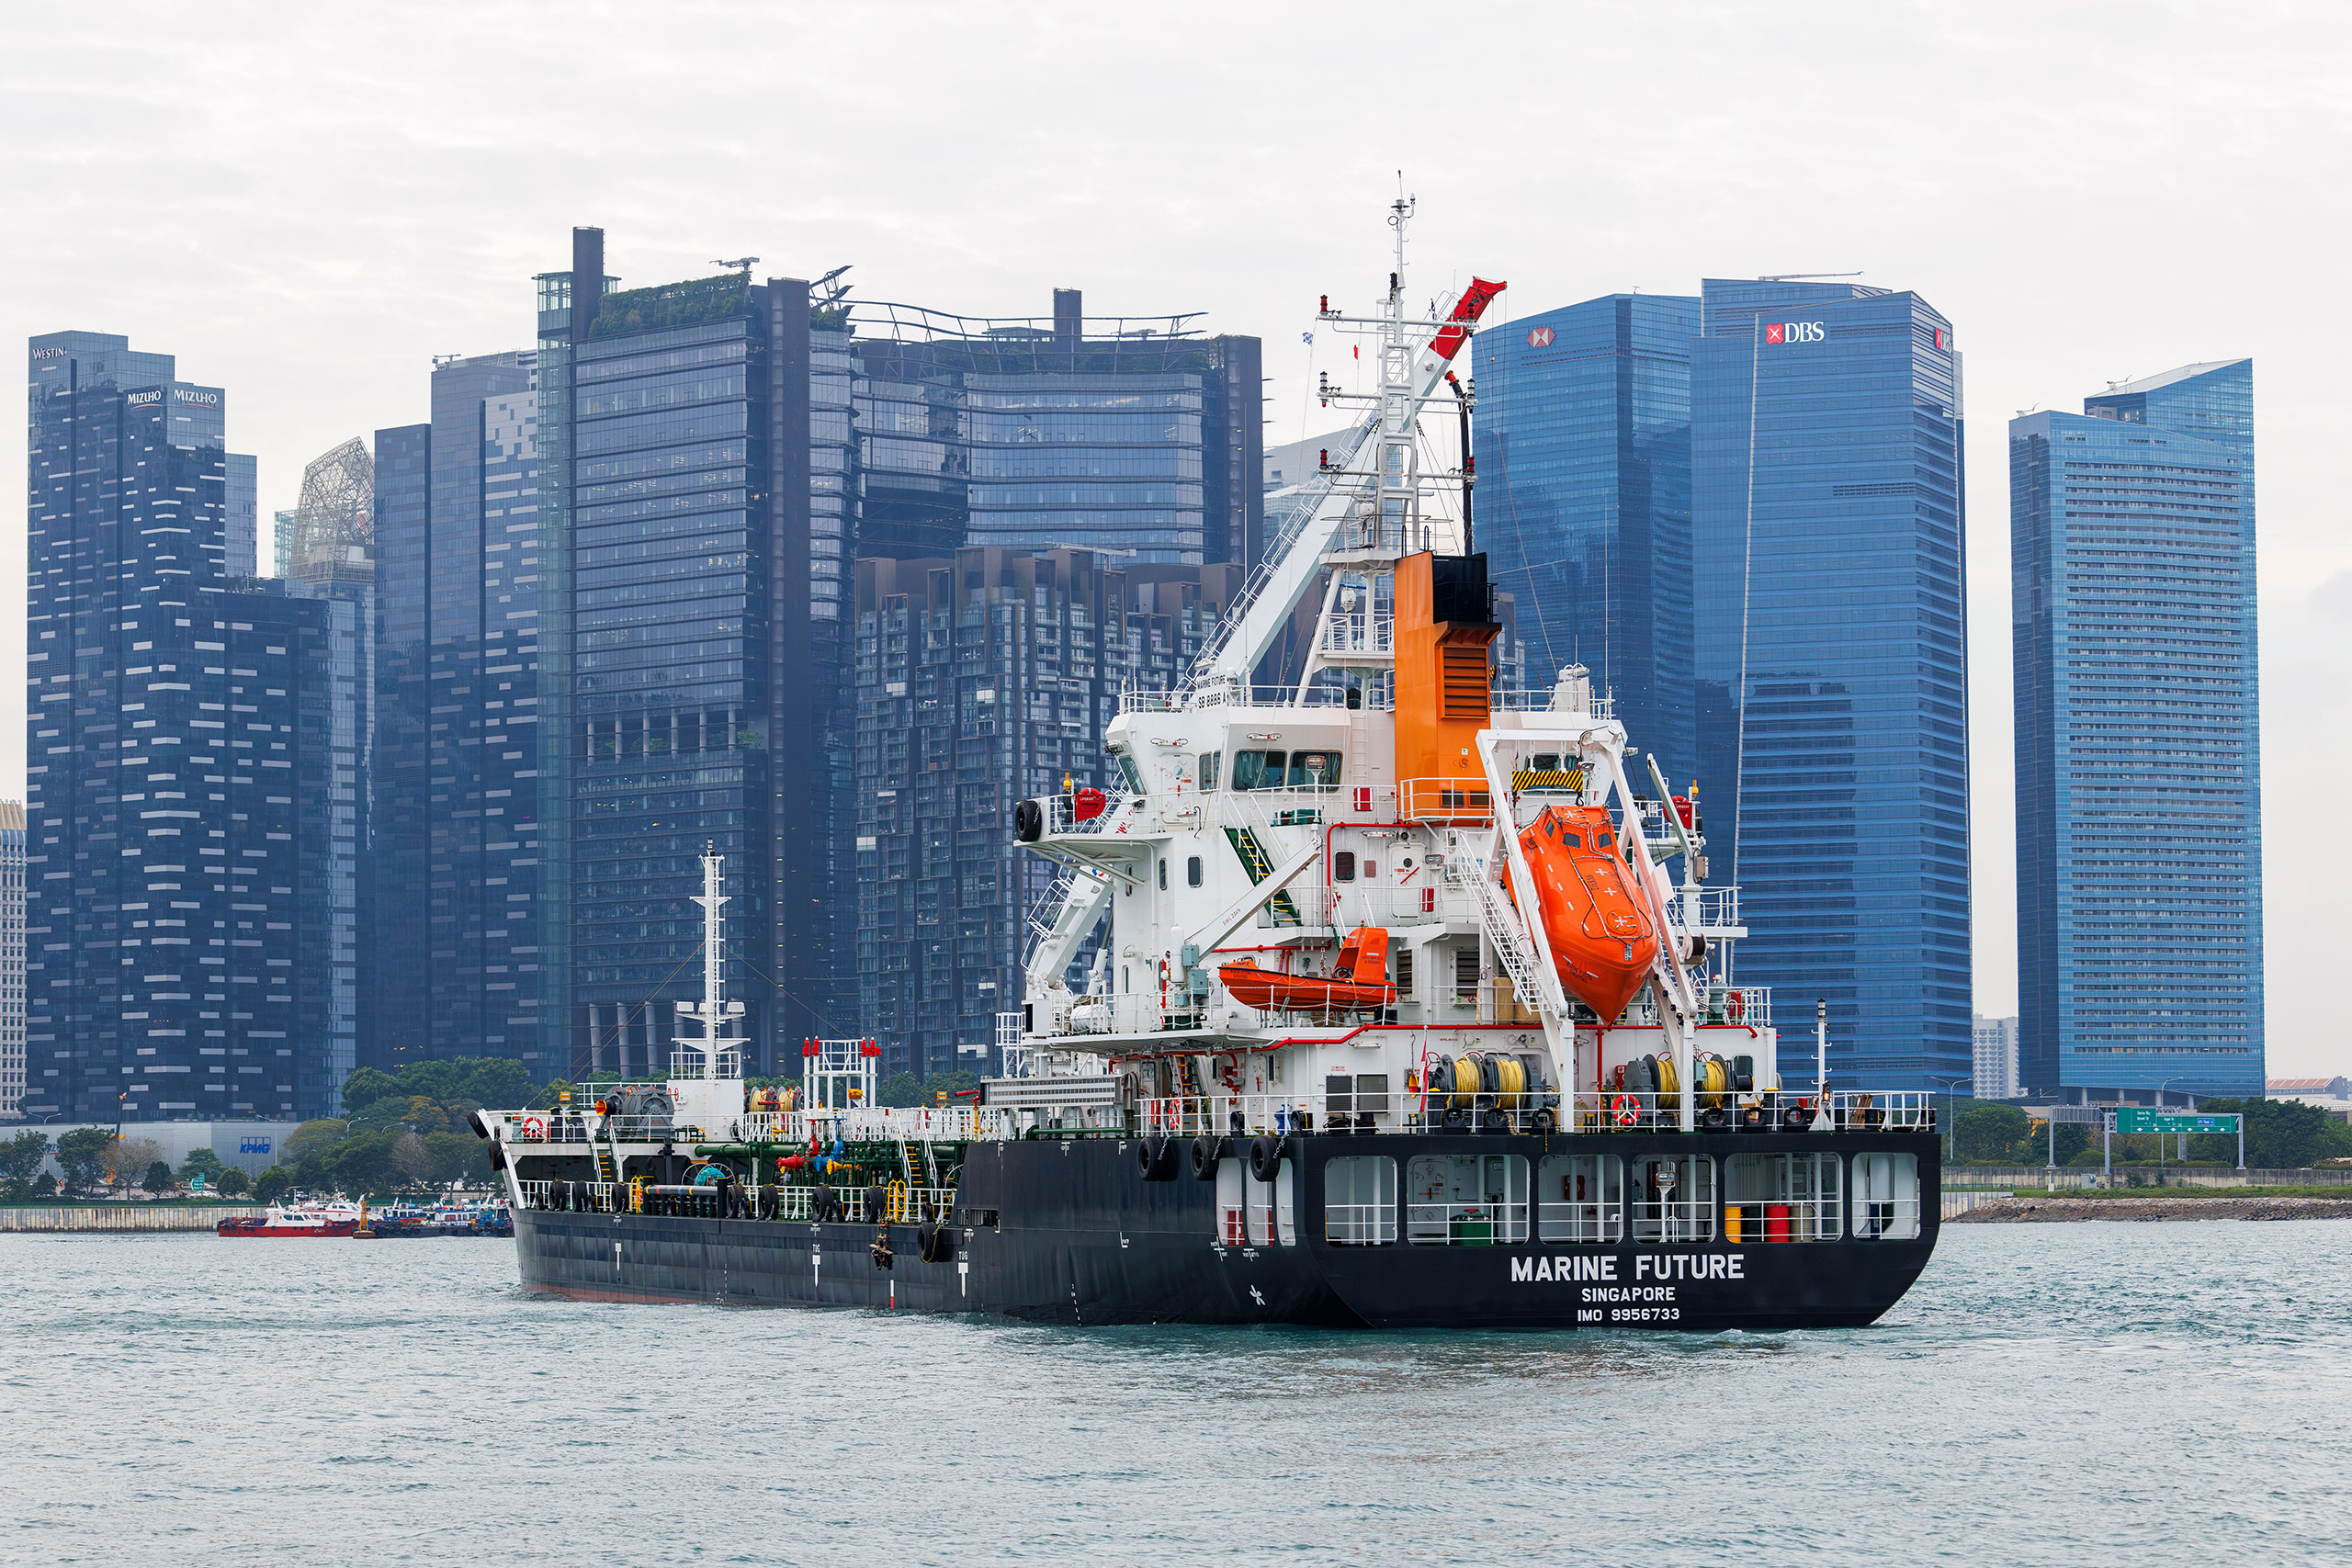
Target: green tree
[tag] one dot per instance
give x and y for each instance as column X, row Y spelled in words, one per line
column 44, row 1185
column 1983, row 1130
column 82, row 1156
column 231, row 1181
column 365, row 1088
column 273, row 1184
column 456, row 1157
column 498, row 1081
column 158, row 1179
column 203, row 1162
column 21, row 1161
column 313, row 1137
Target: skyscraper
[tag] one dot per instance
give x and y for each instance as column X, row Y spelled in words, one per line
column 240, row 525
column 1832, row 677
column 12, row 959
column 179, row 772
column 2138, row 740
column 985, row 679
column 456, row 898
column 1583, row 501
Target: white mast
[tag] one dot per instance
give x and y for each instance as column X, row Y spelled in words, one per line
column 718, row 1046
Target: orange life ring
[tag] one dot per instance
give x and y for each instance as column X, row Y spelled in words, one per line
column 1626, row 1110
column 533, row 1129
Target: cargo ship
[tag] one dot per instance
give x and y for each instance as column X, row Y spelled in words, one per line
column 1389, row 997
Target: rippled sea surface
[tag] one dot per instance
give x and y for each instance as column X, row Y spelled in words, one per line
column 2059, row 1394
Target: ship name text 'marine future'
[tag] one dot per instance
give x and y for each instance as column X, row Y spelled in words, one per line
column 1383, row 998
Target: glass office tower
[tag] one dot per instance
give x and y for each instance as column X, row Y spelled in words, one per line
column 1583, row 501
column 1832, row 676
column 182, row 863
column 456, row 760
column 2139, row 740
column 242, row 523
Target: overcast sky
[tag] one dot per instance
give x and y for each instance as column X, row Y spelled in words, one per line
column 305, row 204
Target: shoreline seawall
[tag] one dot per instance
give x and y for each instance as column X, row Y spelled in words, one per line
column 2043, row 1208
column 128, row 1217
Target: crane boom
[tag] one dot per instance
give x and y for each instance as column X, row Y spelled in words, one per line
column 1267, row 609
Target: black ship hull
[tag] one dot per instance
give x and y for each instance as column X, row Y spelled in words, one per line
column 1071, row 1232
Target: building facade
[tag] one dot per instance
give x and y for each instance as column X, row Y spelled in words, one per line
column 1995, row 1057
column 12, row 959
column 2139, row 740
column 180, row 848
column 241, row 539
column 457, row 818
column 985, row 679
column 1831, row 669
column 1583, row 501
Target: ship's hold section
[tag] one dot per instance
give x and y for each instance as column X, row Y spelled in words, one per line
column 1603, row 938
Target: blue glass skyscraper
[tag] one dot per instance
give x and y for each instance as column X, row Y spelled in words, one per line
column 1583, row 499
column 456, row 898
column 2138, row 740
column 184, row 865
column 1832, row 675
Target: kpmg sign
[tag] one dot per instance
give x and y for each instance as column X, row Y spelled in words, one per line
column 253, row 1145
column 1795, row 332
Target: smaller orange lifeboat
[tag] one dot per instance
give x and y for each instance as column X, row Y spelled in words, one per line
column 1602, row 937
column 1364, row 952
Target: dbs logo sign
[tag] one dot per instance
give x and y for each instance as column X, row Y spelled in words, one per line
column 1540, row 337
column 1795, row 332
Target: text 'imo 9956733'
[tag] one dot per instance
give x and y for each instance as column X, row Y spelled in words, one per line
column 1370, row 1000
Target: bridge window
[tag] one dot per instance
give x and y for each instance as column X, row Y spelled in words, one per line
column 1886, row 1197
column 1673, row 1197
column 1782, row 1198
column 1580, row 1198
column 1466, row 1200
column 1360, row 1200
column 1286, row 770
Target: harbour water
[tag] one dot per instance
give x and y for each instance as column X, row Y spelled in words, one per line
column 2093, row 1392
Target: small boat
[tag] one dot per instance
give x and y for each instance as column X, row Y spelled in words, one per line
column 1365, row 953
column 337, row 1218
column 1602, row 937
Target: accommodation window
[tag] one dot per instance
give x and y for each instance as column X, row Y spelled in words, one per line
column 1360, row 1200
column 1580, row 1198
column 1673, row 1197
column 1782, row 1198
column 1192, row 871
column 1886, row 1197
column 1206, row 766
column 1343, row 866
column 1163, row 874
column 1466, row 1200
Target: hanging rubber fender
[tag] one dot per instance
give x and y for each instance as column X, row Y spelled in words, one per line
column 937, row 1244
column 1029, row 821
column 1796, row 1118
column 1265, row 1157
column 497, row 1156
column 1153, row 1160
column 1207, row 1152
column 877, row 1201
column 473, row 1119
column 820, row 1203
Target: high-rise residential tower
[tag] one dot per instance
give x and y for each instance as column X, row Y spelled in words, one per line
column 1583, row 501
column 182, row 860
column 457, row 737
column 1832, row 675
column 2139, row 768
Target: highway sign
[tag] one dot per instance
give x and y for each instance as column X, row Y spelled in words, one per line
column 2141, row 1118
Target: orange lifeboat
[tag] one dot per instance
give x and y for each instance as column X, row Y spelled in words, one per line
column 1364, row 952
column 1602, row 937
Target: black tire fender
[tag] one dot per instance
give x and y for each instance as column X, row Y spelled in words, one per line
column 1265, row 1157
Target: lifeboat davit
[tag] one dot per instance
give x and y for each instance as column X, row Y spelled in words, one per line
column 1364, row 952
column 1602, row 937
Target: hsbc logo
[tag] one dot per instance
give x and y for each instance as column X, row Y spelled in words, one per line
column 1540, row 337
column 1795, row 332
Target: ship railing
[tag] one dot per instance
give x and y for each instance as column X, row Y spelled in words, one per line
column 698, row 1063
column 1140, row 1012
column 1358, row 631
column 924, row 1123
column 1720, row 1003
column 1234, row 694
column 1494, row 1222
column 1539, row 699
column 1602, row 1221
column 1461, row 799
column 1415, row 900
column 1063, row 819
column 575, row 1197
column 559, row 1127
